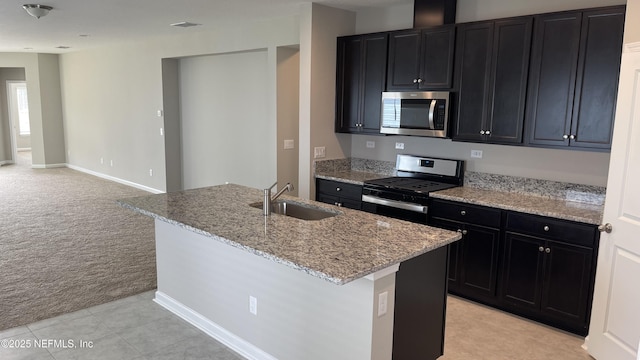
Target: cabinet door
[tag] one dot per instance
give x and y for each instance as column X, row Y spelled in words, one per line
column 374, row 66
column 404, row 60
column 597, row 80
column 479, row 261
column 567, row 279
column 522, row 271
column 436, row 67
column 554, row 59
column 510, row 68
column 348, row 79
column 454, row 252
column 473, row 61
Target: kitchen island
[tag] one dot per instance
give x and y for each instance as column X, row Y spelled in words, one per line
column 277, row 287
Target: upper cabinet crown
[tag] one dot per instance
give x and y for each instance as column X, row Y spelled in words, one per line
column 421, row 59
column 575, row 65
column 492, row 60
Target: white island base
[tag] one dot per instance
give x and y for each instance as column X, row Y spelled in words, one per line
column 209, row 283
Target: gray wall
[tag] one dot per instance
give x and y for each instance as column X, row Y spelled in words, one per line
column 561, row 165
column 288, row 93
column 226, row 135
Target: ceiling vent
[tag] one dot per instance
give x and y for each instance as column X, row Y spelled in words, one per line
column 433, row 12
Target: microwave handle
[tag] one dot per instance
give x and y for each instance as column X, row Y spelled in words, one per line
column 432, row 109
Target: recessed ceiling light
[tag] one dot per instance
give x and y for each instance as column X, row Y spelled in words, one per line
column 28, row 48
column 84, row 35
column 63, row 47
column 185, row 24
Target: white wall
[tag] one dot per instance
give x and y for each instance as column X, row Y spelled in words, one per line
column 560, row 165
column 111, row 96
column 226, row 134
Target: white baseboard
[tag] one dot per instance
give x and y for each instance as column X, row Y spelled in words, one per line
column 6, row 162
column 115, row 179
column 47, row 166
column 239, row 345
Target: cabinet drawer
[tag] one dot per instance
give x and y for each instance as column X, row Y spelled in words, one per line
column 343, row 190
column 548, row 228
column 472, row 214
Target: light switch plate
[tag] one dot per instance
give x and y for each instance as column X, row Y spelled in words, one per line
column 319, row 152
column 288, row 144
column 371, row 144
column 400, row 146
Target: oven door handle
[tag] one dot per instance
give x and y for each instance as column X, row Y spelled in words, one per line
column 394, row 204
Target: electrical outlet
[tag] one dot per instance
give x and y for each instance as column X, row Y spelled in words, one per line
column 159, row 113
column 371, row 144
column 288, row 144
column 111, row 163
column 382, row 303
column 161, row 132
column 150, row 172
column 400, row 146
column 101, row 160
column 476, row 154
column 319, row 152
column 253, row 305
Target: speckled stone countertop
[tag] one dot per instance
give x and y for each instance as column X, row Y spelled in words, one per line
column 339, row 249
column 567, row 210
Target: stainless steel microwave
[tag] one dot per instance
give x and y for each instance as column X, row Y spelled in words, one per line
column 419, row 113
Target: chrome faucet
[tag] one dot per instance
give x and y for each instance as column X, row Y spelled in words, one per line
column 268, row 199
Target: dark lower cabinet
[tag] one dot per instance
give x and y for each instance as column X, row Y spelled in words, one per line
column 547, row 276
column 473, row 260
column 534, row 266
column 339, row 193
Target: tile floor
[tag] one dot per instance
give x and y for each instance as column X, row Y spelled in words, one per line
column 136, row 328
column 133, row 328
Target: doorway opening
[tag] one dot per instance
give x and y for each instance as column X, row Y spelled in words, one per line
column 19, row 123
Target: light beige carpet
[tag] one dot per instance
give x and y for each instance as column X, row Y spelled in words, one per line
column 66, row 245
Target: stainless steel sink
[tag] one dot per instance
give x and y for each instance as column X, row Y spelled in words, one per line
column 297, row 210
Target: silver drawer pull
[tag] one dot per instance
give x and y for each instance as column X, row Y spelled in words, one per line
column 547, row 250
column 541, row 248
column 463, row 213
column 463, row 232
column 546, row 228
column 338, row 189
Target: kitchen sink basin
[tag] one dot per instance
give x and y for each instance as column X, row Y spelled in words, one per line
column 297, row 210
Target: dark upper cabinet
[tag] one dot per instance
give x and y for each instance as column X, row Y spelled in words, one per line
column 575, row 64
column 421, row 59
column 361, row 75
column 492, row 61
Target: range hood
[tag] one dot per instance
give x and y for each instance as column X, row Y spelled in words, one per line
column 433, row 12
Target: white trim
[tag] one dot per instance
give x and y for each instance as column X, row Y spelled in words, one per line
column 48, row 166
column 632, row 47
column 6, row 162
column 212, row 329
column 23, row 149
column 382, row 273
column 115, row 179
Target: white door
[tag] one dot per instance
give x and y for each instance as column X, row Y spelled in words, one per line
column 615, row 318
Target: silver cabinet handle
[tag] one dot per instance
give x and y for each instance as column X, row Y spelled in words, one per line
column 432, row 109
column 572, row 137
column 488, row 132
column 463, row 232
column 546, row 228
column 565, row 136
column 394, row 204
column 415, row 81
column 541, row 248
column 420, row 81
column 547, row 250
column 339, row 204
column 463, row 213
column 605, row 228
column 481, row 132
column 338, row 189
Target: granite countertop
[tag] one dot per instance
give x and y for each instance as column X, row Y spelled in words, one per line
column 560, row 209
column 349, row 176
column 508, row 200
column 339, row 249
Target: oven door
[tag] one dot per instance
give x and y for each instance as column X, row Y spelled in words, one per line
column 396, row 209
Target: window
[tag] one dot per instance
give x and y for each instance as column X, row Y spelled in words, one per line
column 23, row 109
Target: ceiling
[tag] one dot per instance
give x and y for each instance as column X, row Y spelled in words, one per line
column 82, row 24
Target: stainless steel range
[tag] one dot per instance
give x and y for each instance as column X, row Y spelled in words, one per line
column 405, row 196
